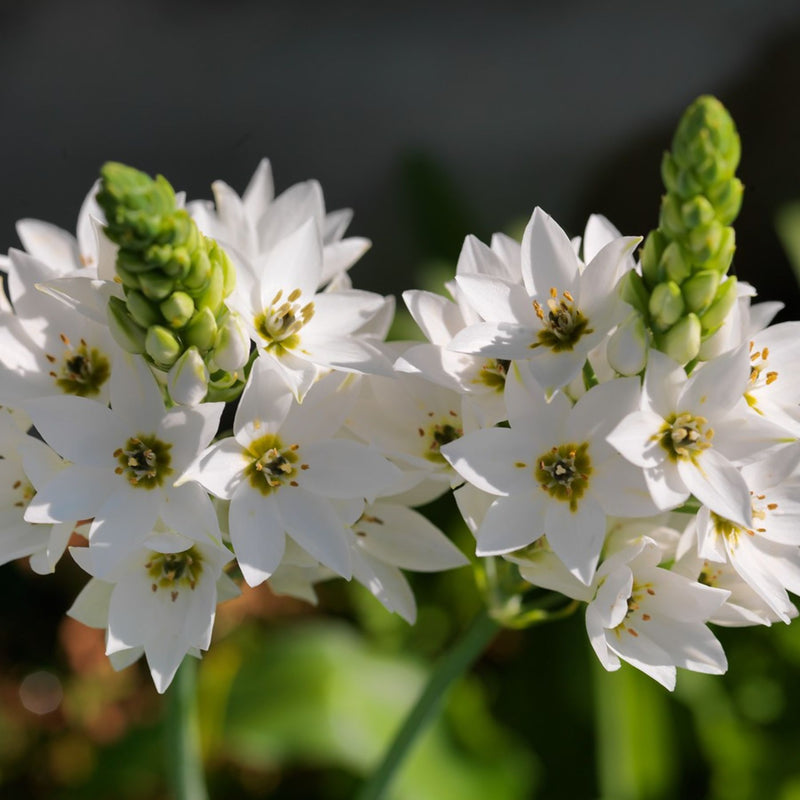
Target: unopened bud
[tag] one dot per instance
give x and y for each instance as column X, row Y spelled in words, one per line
column 155, row 285
column 699, row 291
column 177, row 309
column 162, row 346
column 682, row 341
column 201, row 330
column 232, row 345
column 187, row 380
column 141, row 309
column 674, row 263
column 666, row 305
column 719, row 309
column 628, row 345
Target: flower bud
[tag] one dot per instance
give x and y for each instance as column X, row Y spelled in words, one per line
column 155, row 285
column 719, row 309
column 162, row 346
column 652, row 251
column 705, row 242
column 699, row 291
column 141, row 309
column 177, row 309
column 127, row 334
column 628, row 345
column 634, row 292
column 682, row 341
column 187, row 380
column 675, row 264
column 666, row 305
column 232, row 345
column 201, row 330
column 212, row 295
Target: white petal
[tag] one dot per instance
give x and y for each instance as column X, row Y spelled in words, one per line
column 637, row 437
column 343, row 312
column 260, row 191
column 340, row 468
column 257, row 533
column 266, row 399
column 220, row 468
column 511, row 523
column 50, row 244
column 497, row 339
column 715, row 482
column 387, row 583
column 311, row 521
column 404, row 538
column 577, row 536
column 337, row 257
column 497, row 300
column 294, row 263
column 75, row 493
column 548, row 260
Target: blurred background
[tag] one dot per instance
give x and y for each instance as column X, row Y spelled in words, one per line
column 431, row 122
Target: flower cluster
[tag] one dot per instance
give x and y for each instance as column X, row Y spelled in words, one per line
column 662, row 499
column 120, row 346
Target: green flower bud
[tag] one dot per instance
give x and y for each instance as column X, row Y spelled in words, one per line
column 127, row 334
column 726, row 197
column 143, row 311
column 675, row 265
column 197, row 277
column 682, row 341
column 627, row 348
column 213, row 294
column 177, row 309
column 700, row 289
column 666, row 305
column 187, row 381
column 634, row 292
column 162, row 346
column 156, row 285
column 718, row 310
column 129, row 279
column 705, row 242
column 670, row 221
column 652, row 251
column 697, row 212
column 201, row 330
column 724, row 255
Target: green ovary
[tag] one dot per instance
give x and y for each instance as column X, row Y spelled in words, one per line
column 83, row 371
column 271, row 465
column 685, row 436
column 174, row 571
column 144, row 461
column 564, row 472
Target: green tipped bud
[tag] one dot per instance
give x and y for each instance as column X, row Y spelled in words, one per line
column 652, row 251
column 724, row 255
column 666, row 305
column 187, row 381
column 682, row 341
column 232, row 345
column 177, row 309
column 129, row 279
column 156, row 285
column 627, row 348
column 162, row 346
column 675, row 264
column 201, row 330
column 143, row 311
column 634, row 292
column 726, row 197
column 127, row 334
column 699, row 291
column 697, row 212
column 670, row 221
column 212, row 296
column 704, row 243
column 197, row 277
column 718, row 310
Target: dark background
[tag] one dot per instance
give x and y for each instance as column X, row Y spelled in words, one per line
column 520, row 104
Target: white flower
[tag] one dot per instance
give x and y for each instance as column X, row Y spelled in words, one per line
column 689, row 433
column 282, row 469
column 553, row 472
column 563, row 311
column 297, row 327
column 256, row 222
column 123, row 462
column 160, row 599
column 653, row 618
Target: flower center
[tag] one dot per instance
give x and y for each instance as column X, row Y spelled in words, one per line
column 173, row 572
column 24, row 490
column 685, row 436
column 271, row 465
column 440, row 434
column 731, row 532
column 493, row 373
column 281, row 323
column 144, row 461
column 83, row 369
column 563, row 323
column 564, row 472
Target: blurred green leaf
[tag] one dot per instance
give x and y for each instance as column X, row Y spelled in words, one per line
column 787, row 225
column 319, row 694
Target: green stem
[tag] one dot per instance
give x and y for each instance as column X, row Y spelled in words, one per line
column 185, row 761
column 454, row 664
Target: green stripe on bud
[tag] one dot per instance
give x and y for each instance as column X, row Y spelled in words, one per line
column 666, row 305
